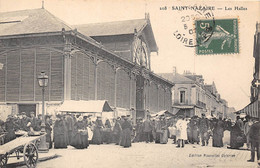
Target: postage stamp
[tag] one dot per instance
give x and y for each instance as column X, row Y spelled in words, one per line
column 218, row 36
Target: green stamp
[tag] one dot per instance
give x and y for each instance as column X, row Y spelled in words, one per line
column 217, row 36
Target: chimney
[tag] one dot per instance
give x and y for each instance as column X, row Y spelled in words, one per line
column 174, row 70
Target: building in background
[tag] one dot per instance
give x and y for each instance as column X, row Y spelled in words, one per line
column 252, row 109
column 113, row 65
column 190, row 96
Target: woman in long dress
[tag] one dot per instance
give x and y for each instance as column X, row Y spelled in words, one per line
column 9, row 127
column 181, row 126
column 48, row 130
column 126, row 133
column 97, row 134
column 59, row 130
column 164, row 134
column 107, row 136
column 80, row 137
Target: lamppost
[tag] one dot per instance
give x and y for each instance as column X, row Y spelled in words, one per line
column 43, row 82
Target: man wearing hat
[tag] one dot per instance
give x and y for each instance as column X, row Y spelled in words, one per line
column 25, row 120
column 203, row 128
column 33, row 121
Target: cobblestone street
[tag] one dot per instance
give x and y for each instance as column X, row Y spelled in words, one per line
column 142, row 155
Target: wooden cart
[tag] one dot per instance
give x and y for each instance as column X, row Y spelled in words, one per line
column 24, row 146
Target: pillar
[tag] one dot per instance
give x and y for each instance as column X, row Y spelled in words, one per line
column 67, row 73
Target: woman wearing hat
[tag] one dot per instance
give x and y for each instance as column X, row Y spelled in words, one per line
column 126, row 133
column 80, row 137
column 59, row 130
column 97, row 134
column 9, row 128
column 48, row 130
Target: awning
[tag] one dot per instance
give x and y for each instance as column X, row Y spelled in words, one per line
column 184, row 107
column 162, row 113
column 251, row 109
column 91, row 106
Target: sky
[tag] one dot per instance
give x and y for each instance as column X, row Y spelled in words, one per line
column 232, row 73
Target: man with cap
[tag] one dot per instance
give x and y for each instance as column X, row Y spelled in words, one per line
column 203, row 128
column 48, row 130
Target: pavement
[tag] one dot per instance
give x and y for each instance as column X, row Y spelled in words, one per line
column 144, row 155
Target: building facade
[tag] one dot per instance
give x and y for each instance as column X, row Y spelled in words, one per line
column 190, row 96
column 110, row 67
column 252, row 109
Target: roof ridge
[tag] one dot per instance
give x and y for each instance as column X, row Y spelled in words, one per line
column 20, row 10
column 63, row 22
column 108, row 22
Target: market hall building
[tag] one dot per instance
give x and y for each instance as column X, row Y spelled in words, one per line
column 108, row 61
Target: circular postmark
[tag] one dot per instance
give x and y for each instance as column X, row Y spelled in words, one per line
column 187, row 32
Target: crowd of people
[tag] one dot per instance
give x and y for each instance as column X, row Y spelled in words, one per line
column 79, row 130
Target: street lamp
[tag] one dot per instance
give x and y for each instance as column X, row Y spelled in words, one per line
column 43, row 82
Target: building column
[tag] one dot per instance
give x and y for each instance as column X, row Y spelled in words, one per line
column 130, row 91
column 115, row 91
column 67, row 73
column 158, row 98
column 95, row 82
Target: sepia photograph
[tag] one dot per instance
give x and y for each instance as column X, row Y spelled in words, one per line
column 129, row 84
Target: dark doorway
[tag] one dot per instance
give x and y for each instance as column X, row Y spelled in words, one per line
column 27, row 108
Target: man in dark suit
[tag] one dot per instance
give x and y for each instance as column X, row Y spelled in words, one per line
column 254, row 139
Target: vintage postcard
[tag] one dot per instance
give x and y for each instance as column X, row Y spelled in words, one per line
column 129, row 83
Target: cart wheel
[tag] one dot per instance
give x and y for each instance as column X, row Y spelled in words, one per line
column 30, row 155
column 3, row 161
